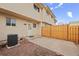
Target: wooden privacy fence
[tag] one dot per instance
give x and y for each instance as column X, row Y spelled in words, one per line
column 46, row 31
column 73, row 33
column 64, row 32
column 59, row 32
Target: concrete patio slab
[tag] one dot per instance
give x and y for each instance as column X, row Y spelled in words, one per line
column 63, row 47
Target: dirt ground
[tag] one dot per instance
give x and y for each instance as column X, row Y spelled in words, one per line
column 27, row 48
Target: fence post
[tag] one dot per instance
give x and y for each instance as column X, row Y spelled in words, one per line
column 67, row 32
column 50, row 31
column 78, row 36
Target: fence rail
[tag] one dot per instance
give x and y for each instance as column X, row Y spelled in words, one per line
column 64, row 32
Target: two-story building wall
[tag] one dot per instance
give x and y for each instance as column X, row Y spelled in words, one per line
column 23, row 19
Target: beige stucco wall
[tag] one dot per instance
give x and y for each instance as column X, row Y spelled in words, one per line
column 47, row 18
column 25, row 9
column 28, row 10
column 20, row 28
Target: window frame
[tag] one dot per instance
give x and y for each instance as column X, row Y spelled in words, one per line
column 13, row 22
column 34, row 25
column 36, row 8
column 10, row 21
column 29, row 27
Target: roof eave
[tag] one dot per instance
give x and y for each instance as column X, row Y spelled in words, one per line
column 11, row 13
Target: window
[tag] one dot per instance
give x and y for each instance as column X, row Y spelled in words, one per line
column 10, row 21
column 29, row 27
column 36, row 8
column 34, row 25
column 51, row 16
column 13, row 22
